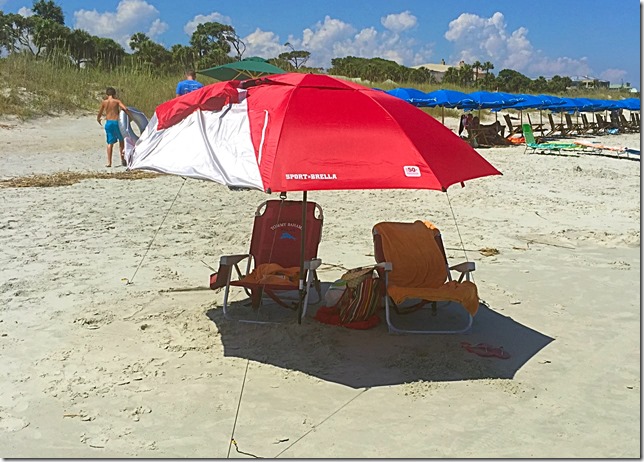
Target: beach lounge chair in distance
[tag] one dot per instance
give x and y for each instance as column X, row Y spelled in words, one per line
column 590, row 127
column 535, row 127
column 556, row 129
column 550, row 146
column 512, row 130
column 625, row 125
column 573, row 127
column 635, row 119
column 273, row 261
column 412, row 260
column 635, row 123
column 602, row 124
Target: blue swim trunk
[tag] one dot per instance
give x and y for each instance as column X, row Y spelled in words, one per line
column 112, row 131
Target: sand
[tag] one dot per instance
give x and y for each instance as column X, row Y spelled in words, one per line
column 96, row 367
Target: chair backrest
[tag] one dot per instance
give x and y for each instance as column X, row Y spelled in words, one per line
column 277, row 232
column 415, row 250
column 552, row 122
column 508, row 122
column 528, row 135
column 569, row 123
column 600, row 120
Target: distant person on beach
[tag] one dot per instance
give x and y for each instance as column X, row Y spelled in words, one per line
column 461, row 124
column 110, row 107
column 189, row 84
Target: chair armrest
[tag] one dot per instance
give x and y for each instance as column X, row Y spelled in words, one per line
column 314, row 264
column 464, row 267
column 386, row 265
column 232, row 259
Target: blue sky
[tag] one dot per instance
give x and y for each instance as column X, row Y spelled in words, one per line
column 596, row 38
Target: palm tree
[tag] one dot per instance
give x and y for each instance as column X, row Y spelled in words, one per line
column 476, row 66
column 487, row 67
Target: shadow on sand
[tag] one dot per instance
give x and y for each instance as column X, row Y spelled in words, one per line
column 374, row 357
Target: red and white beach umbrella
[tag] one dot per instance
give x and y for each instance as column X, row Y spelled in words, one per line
column 304, row 132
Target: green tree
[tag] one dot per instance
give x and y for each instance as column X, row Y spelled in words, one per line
column 487, row 66
column 451, row 76
column 183, row 56
column 109, row 54
column 512, row 81
column 466, row 75
column 5, row 33
column 476, row 66
column 558, row 84
column 148, row 52
column 211, row 43
column 297, row 58
column 236, row 43
column 539, row 85
column 49, row 10
column 19, row 30
column 82, row 47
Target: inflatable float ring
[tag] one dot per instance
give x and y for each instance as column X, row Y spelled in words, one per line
column 125, row 126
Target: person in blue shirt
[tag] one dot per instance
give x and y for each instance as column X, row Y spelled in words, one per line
column 189, row 84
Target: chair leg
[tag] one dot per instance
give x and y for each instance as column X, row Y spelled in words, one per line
column 395, row 330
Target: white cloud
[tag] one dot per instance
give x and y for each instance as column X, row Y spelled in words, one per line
column 334, row 38
column 615, row 76
column 399, row 22
column 488, row 39
column 131, row 16
column 191, row 25
column 264, row 44
column 26, row 12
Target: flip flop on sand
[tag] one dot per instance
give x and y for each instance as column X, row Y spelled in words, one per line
column 483, row 349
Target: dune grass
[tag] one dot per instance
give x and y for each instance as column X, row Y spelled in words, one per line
column 32, row 87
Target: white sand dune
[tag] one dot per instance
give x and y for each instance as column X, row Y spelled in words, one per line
column 95, row 367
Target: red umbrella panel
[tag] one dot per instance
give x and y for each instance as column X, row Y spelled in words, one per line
column 303, row 132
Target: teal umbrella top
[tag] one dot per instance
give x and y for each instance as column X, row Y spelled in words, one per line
column 248, row 68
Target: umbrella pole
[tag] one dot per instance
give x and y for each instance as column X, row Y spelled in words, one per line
column 302, row 248
column 443, row 115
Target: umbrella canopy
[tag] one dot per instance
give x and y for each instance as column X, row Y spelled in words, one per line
column 447, row 98
column 249, row 68
column 304, row 132
column 563, row 104
column 490, row 100
column 411, row 95
column 632, row 104
column 529, row 102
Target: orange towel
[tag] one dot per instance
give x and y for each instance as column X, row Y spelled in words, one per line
column 419, row 267
column 272, row 273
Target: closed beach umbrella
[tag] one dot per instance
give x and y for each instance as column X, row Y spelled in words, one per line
column 249, row 68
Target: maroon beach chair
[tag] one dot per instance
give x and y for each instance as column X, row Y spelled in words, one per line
column 273, row 261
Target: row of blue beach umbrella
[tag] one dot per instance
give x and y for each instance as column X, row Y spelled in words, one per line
column 497, row 101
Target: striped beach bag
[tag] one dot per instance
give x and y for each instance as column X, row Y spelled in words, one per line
column 363, row 295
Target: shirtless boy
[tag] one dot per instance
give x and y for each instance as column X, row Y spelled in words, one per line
column 110, row 107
